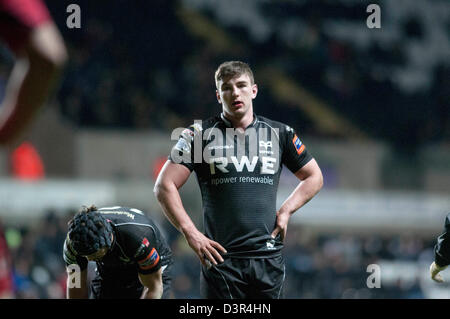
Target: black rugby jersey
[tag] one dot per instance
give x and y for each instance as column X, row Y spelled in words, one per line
column 238, row 175
column 138, row 246
column 442, row 247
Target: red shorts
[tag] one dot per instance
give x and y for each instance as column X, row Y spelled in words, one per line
column 18, row 18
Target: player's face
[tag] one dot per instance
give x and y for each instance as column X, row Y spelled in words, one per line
column 98, row 255
column 236, row 95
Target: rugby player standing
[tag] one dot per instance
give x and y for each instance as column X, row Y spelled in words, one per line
column 240, row 251
column 28, row 29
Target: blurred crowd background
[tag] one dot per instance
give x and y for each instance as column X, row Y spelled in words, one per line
column 317, row 265
column 372, row 105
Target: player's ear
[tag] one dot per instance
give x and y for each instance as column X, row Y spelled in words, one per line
column 254, row 90
column 218, row 97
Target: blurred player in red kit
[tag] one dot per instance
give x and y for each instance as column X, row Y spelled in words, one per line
column 6, row 278
column 27, row 28
column 29, row 31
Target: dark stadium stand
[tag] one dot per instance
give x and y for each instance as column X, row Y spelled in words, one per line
column 150, row 65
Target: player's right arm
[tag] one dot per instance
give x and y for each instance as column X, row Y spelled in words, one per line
column 170, row 179
column 76, row 268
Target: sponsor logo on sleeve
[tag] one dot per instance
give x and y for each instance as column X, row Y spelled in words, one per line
column 150, row 261
column 185, row 140
column 187, row 134
column 183, row 146
column 299, row 146
column 141, row 250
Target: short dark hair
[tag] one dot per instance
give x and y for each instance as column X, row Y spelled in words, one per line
column 230, row 69
column 89, row 231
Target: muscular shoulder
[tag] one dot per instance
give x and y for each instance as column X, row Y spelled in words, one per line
column 282, row 131
column 195, row 130
column 282, row 127
column 202, row 125
column 131, row 234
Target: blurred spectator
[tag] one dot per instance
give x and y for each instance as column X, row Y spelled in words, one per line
column 27, row 163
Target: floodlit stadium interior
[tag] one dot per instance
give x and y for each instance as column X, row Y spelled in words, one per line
column 371, row 105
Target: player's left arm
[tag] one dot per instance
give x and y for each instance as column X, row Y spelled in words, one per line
column 153, row 285
column 441, row 253
column 148, row 262
column 34, row 75
column 311, row 181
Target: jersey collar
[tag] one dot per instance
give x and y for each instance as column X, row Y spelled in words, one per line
column 228, row 123
column 113, row 242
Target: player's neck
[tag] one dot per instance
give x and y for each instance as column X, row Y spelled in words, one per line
column 240, row 122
